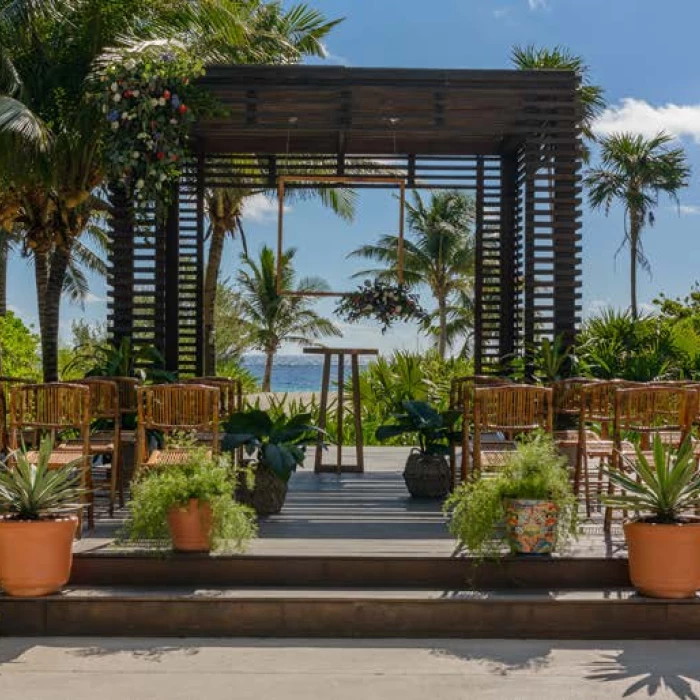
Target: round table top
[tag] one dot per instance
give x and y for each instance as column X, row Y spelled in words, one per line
column 340, row 351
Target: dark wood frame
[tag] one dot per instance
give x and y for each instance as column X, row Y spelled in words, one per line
column 511, row 137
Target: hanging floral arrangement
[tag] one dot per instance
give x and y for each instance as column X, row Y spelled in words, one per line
column 380, row 301
column 147, row 103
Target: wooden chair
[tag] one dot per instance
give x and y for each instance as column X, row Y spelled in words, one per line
column 57, row 409
column 462, row 399
column 230, row 393
column 6, row 383
column 105, row 436
column 512, row 410
column 596, row 419
column 641, row 414
column 175, row 408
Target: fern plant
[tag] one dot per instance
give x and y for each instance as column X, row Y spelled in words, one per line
column 35, row 492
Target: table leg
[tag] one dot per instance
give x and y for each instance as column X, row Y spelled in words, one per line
column 341, row 398
column 359, row 452
column 323, row 409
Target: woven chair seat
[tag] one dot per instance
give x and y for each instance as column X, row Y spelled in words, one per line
column 495, row 455
column 160, row 458
column 58, row 458
column 97, row 446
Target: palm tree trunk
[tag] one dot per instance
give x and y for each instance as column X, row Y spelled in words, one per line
column 4, row 252
column 267, row 378
column 634, row 242
column 211, row 279
column 442, row 316
column 49, row 316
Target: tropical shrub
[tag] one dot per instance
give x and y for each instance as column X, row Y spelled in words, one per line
column 203, row 477
column 536, row 471
column 19, row 356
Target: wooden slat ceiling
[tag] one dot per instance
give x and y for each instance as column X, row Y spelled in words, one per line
column 330, row 109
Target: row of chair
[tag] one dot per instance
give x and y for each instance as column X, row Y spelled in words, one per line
column 602, row 420
column 87, row 418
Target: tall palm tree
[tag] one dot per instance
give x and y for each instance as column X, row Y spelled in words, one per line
column 438, row 252
column 634, row 171
column 275, row 318
column 225, row 208
column 560, row 58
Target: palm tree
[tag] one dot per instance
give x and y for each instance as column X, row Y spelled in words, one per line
column 635, row 171
column 560, row 58
column 440, row 253
column 275, row 318
column 225, row 208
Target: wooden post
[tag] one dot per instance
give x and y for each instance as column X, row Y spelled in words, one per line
column 323, row 409
column 356, row 407
column 341, row 409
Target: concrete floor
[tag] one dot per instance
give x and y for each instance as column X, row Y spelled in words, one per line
column 151, row 669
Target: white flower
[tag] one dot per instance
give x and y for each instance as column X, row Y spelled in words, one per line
column 140, row 184
column 135, row 93
column 142, row 135
column 173, row 121
column 161, row 101
column 104, row 109
column 114, row 87
column 136, row 155
column 115, row 126
column 125, row 115
column 163, row 177
column 154, row 102
column 117, row 97
column 130, row 64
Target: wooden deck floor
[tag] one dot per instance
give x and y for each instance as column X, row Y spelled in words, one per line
column 368, row 514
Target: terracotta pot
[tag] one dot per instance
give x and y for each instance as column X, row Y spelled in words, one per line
column 664, row 560
column 190, row 526
column 531, row 525
column 427, row 476
column 36, row 555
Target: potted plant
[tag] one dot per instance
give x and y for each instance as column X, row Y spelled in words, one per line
column 277, row 447
column 427, row 473
column 191, row 504
column 529, row 505
column 663, row 542
column 38, row 523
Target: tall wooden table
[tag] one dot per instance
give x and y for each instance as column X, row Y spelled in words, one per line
column 341, row 353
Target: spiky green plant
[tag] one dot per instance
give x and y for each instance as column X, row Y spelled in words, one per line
column 33, row 491
column 660, row 490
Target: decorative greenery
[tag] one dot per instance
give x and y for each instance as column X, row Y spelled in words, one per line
column 278, row 444
column 661, row 491
column 535, row 471
column 434, row 430
column 35, row 492
column 147, row 101
column 382, row 301
column 206, row 478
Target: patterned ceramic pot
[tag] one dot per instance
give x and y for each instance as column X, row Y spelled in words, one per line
column 531, row 526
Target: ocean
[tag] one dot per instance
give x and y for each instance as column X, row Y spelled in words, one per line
column 295, row 372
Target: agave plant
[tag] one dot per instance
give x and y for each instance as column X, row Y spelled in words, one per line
column 664, row 488
column 33, row 491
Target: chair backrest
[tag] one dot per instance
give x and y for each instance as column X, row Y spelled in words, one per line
column 647, row 410
column 126, row 386
column 104, row 398
column 6, row 383
column 513, row 409
column 462, row 389
column 230, row 393
column 49, row 407
column 566, row 395
column 598, row 401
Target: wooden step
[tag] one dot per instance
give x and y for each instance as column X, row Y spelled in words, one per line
column 274, row 612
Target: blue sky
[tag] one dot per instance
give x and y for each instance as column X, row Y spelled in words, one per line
column 643, row 52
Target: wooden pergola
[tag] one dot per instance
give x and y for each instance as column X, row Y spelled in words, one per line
column 512, row 138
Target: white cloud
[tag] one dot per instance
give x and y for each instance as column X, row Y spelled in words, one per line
column 91, row 298
column 537, row 4
column 689, row 209
column 501, row 12
column 261, row 208
column 334, row 58
column 640, row 117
